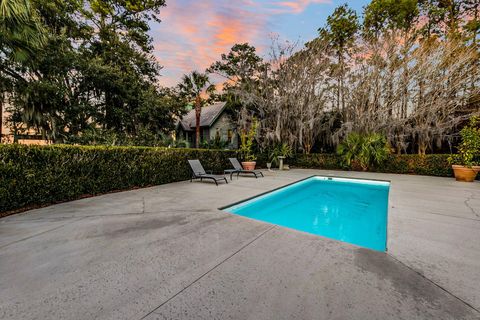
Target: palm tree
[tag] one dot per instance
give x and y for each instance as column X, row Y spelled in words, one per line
column 192, row 87
column 21, row 33
column 364, row 149
column 21, row 29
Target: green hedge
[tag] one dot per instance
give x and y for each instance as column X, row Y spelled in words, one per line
column 430, row 164
column 38, row 175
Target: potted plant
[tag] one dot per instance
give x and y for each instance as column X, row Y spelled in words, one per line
column 246, row 147
column 465, row 163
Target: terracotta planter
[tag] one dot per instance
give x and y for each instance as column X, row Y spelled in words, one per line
column 476, row 168
column 464, row 173
column 248, row 165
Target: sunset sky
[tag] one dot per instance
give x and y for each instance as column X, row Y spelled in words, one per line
column 193, row 33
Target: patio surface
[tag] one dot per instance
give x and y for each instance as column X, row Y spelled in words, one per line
column 167, row 252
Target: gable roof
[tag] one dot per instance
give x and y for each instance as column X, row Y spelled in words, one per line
column 208, row 116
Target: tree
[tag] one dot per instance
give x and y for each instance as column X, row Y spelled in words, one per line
column 193, row 88
column 381, row 15
column 21, row 29
column 395, row 19
column 240, row 65
column 95, row 69
column 416, row 91
column 241, row 69
column 472, row 26
column 122, row 44
column 21, row 34
column 451, row 18
column 342, row 26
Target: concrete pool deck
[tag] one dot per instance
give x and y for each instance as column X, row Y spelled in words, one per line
column 167, row 252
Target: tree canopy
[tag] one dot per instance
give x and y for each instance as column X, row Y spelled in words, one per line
column 76, row 70
column 92, row 70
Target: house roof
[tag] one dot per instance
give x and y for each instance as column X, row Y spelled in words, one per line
column 208, row 116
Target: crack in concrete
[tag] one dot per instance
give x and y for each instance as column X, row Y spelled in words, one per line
column 206, row 273
column 468, row 205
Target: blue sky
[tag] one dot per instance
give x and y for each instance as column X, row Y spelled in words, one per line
column 193, row 33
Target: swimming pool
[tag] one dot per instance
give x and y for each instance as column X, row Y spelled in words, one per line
column 349, row 210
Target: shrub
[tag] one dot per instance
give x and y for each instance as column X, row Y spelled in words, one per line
column 38, row 175
column 317, row 161
column 281, row 150
column 430, row 164
column 469, row 148
column 363, row 150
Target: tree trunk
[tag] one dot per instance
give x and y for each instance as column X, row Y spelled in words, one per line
column 339, row 83
column 341, row 93
column 422, row 148
column 198, row 111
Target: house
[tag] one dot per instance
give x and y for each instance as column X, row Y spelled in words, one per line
column 26, row 136
column 215, row 125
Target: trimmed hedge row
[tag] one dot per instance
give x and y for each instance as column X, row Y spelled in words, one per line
column 38, row 175
column 430, row 164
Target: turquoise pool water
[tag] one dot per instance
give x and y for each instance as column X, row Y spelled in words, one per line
column 349, row 210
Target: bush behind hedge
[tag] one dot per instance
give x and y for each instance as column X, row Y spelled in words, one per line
column 38, row 175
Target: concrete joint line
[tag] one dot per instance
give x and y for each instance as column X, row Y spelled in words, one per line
column 206, row 273
column 39, row 234
column 436, row 284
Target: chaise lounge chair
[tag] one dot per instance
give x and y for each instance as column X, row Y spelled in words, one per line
column 199, row 173
column 239, row 169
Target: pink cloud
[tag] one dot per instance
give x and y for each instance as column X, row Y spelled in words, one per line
column 193, row 34
column 297, row 6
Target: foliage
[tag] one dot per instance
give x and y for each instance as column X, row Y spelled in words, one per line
column 342, row 25
column 192, row 88
column 398, row 72
column 364, row 150
column 216, row 143
column 381, row 15
column 281, row 150
column 95, row 68
column 430, row 164
column 106, row 137
column 21, row 30
column 38, row 175
column 469, row 148
column 240, row 68
column 407, row 69
column 247, row 139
